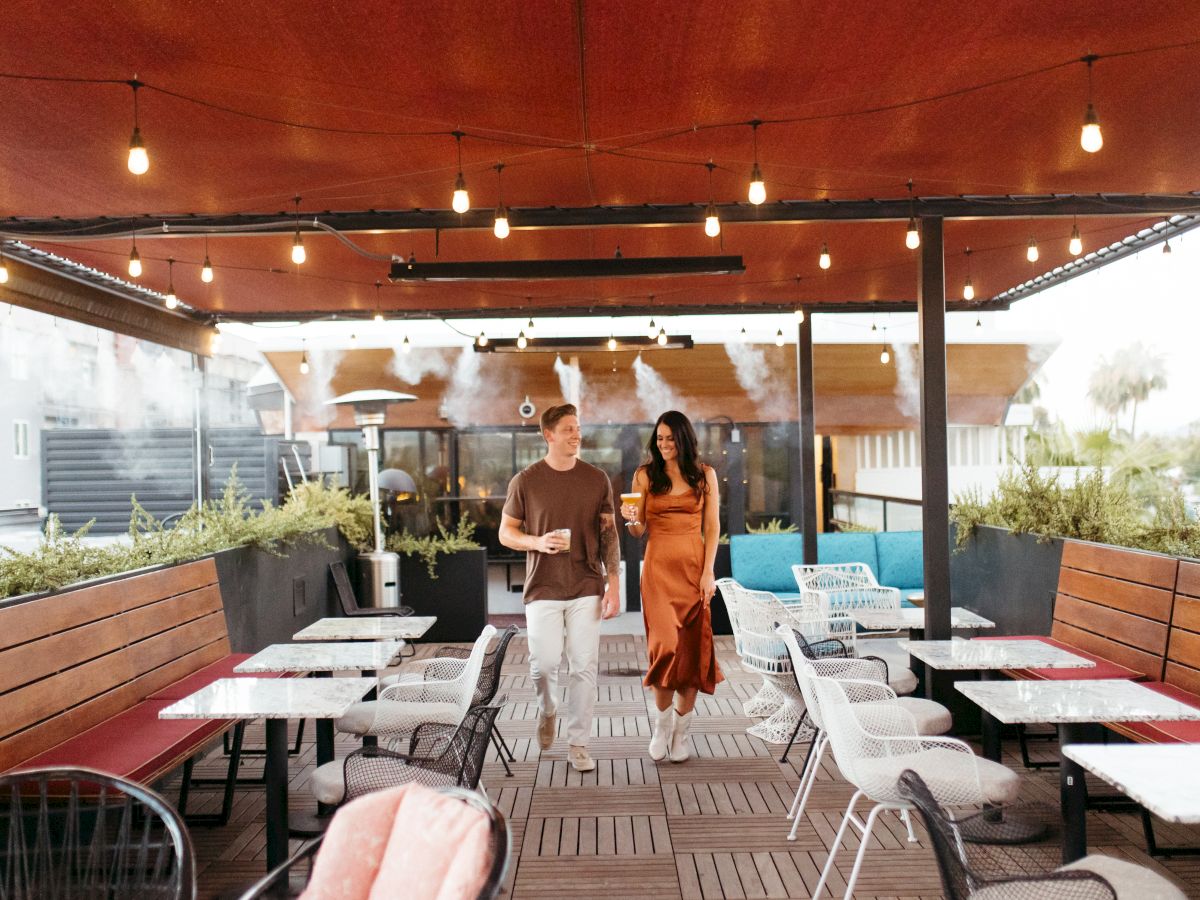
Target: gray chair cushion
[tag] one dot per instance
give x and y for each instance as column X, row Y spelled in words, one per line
column 1129, row 880
column 941, row 769
column 931, row 717
column 360, row 717
column 902, row 681
column 329, row 782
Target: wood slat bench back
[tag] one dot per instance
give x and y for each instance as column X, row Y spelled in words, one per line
column 72, row 660
column 1116, row 603
column 1183, row 651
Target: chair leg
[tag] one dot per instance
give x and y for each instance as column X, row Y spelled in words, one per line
column 792, row 739
column 862, row 850
column 1148, row 832
column 837, row 842
column 503, row 743
column 299, row 737
column 907, row 820
column 500, row 753
column 185, row 788
column 811, row 773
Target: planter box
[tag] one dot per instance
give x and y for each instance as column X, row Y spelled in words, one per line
column 1008, row 578
column 458, row 596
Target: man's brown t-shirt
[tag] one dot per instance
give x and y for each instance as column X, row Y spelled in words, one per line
column 545, row 499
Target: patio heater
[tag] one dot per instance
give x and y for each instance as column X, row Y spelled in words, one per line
column 380, row 570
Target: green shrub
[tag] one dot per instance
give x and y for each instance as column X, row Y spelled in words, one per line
column 775, row 526
column 230, row 521
column 1091, row 509
column 428, row 548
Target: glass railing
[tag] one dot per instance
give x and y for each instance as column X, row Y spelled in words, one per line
column 874, row 512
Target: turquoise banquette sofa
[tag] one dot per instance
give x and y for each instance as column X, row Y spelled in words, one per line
column 763, row 562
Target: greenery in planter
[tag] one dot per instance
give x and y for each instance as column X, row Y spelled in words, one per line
column 774, row 526
column 231, row 521
column 429, row 547
column 1091, row 509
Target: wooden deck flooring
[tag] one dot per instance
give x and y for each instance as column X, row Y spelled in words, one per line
column 712, row 827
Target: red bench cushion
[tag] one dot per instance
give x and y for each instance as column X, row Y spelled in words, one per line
column 1103, row 668
column 1164, row 732
column 137, row 744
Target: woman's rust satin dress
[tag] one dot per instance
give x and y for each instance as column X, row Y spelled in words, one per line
column 678, row 626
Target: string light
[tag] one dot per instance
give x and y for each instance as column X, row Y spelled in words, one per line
column 612, row 341
column 978, row 321
column 135, row 261
column 500, row 228
column 825, row 261
column 1031, row 252
column 757, row 193
column 662, row 337
column 744, row 337
column 651, row 330
column 481, row 340
column 353, row 341
column 378, row 307
column 303, row 359
column 1167, row 247
column 1076, row 245
column 406, row 345
column 206, row 271
column 779, row 338
column 522, row 341
column 139, row 159
column 968, row 287
column 712, row 224
column 172, row 301
column 884, row 356
column 529, row 326
column 3, row 270
column 799, row 314
column 912, row 238
column 461, row 200
column 216, row 341
column 298, row 254
column 1090, row 138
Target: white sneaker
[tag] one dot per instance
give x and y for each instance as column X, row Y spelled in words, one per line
column 679, row 733
column 545, row 731
column 580, row 760
column 662, row 733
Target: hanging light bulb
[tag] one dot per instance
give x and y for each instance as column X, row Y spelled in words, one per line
column 968, row 287
column 481, row 340
column 662, row 337
column 1076, row 245
column 215, row 342
column 298, row 254
column 353, row 341
column 206, row 271
column 743, row 336
column 303, row 362
column 779, row 338
column 712, row 225
column 885, row 357
column 461, row 201
column 378, row 316
column 912, row 237
column 139, row 159
column 825, row 261
column 799, row 314
column 1031, row 252
column 406, row 345
column 522, row 341
column 757, row 193
column 612, row 341
column 135, row 262
column 978, row 321
column 500, row 227
column 172, row 301
column 1090, row 138
column 1167, row 248
column 378, row 308
column 651, row 330
column 529, row 327
column 3, row 270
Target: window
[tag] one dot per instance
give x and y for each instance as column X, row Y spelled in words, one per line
column 20, row 439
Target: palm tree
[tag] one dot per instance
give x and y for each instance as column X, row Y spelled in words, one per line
column 1127, row 379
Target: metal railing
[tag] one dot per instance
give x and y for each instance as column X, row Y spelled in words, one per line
column 875, row 511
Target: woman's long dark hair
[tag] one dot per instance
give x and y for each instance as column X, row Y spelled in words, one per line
column 686, row 451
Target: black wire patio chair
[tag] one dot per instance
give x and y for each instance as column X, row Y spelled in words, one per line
column 438, row 755
column 349, row 603
column 981, row 873
column 79, row 834
column 489, row 683
column 291, row 876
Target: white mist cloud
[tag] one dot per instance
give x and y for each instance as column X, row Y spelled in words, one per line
column 908, row 384
column 412, row 367
column 323, row 366
column 570, row 381
column 756, row 379
column 654, row 394
column 465, row 397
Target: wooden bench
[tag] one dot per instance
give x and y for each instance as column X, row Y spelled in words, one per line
column 84, row 673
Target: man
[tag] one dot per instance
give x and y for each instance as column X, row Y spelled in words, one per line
column 566, row 593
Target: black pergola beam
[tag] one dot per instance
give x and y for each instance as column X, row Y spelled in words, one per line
column 1040, row 206
column 807, row 424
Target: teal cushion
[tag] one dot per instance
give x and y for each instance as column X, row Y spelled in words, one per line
column 848, row 547
column 900, row 561
column 763, row 562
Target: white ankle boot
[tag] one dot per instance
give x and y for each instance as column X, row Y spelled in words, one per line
column 679, row 732
column 662, row 733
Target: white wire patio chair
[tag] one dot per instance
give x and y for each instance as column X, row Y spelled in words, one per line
column 403, row 706
column 768, row 699
column 844, row 586
column 874, row 744
column 929, row 717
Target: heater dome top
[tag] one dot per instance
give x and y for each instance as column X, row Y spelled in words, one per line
column 375, row 395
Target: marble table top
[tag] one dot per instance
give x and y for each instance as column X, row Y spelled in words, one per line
column 1164, row 778
column 271, row 698
column 323, row 657
column 999, row 654
column 1099, row 700
column 907, row 617
column 366, row 628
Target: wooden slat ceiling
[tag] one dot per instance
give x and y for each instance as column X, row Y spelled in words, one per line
column 855, row 393
column 589, row 104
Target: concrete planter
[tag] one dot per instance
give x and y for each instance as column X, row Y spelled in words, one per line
column 458, row 596
column 1008, row 578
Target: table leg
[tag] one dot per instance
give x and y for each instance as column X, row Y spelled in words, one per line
column 920, row 669
column 307, row 824
column 1073, row 791
column 277, row 792
column 369, row 740
column 989, row 726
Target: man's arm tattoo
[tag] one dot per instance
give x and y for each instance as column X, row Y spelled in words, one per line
column 610, row 545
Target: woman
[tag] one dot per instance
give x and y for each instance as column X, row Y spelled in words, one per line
column 679, row 509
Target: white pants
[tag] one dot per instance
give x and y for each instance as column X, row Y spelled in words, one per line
column 575, row 624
